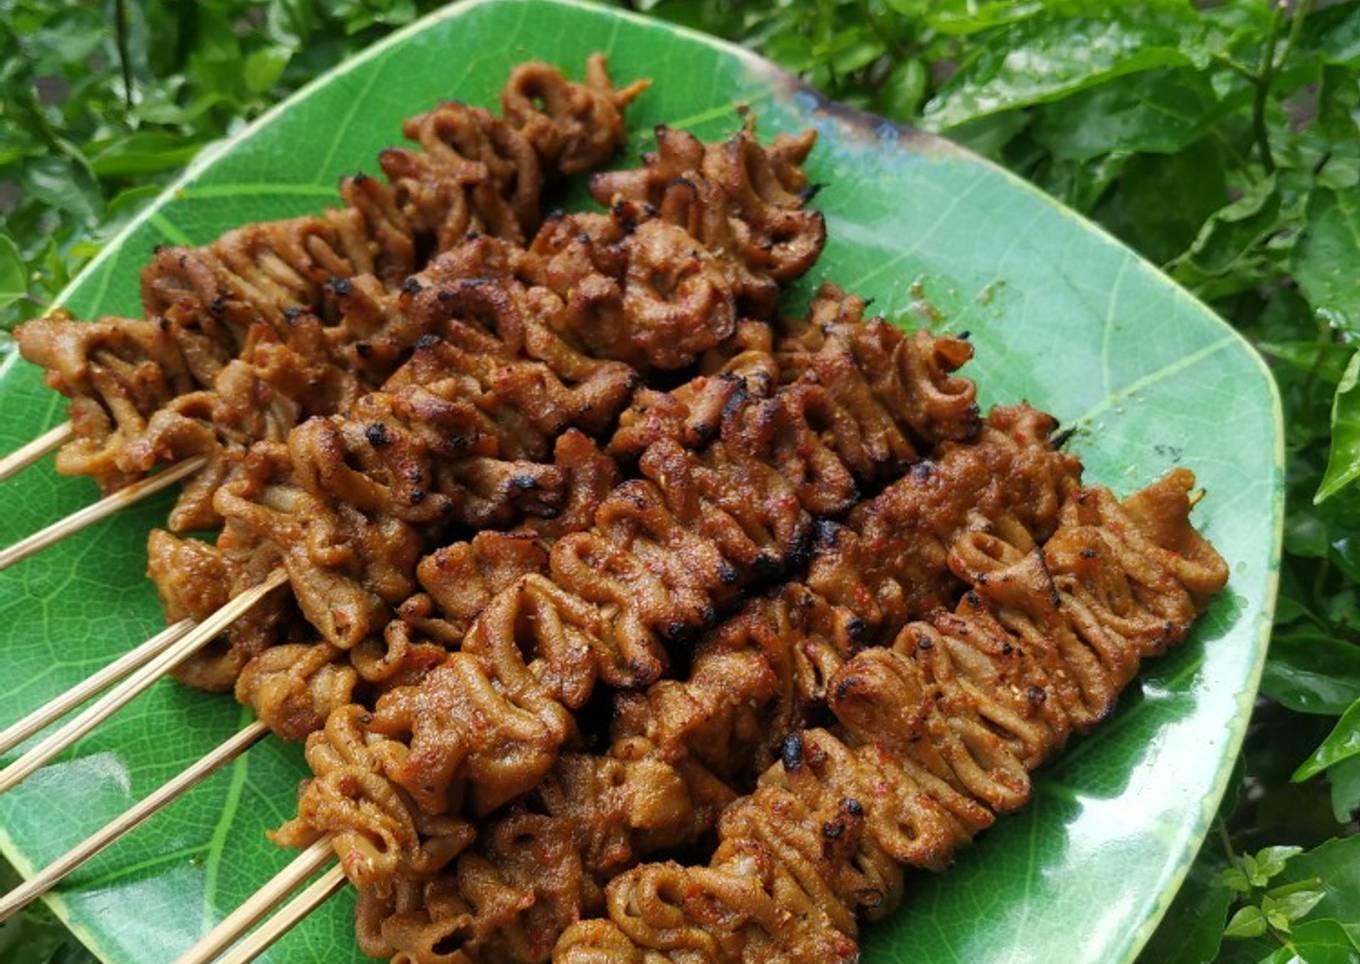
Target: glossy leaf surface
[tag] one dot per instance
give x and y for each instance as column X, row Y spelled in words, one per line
column 1062, row 315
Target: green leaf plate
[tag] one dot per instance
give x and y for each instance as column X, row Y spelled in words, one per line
column 1062, row 315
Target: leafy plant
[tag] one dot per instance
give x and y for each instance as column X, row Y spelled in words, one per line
column 1220, row 139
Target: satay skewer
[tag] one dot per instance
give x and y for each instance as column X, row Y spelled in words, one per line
column 102, row 509
column 53, row 873
column 453, row 140
column 293, row 913
column 31, row 452
column 297, row 910
column 138, row 682
column 62, row 704
column 230, row 928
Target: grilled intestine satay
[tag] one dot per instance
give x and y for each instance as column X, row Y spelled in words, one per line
column 737, row 197
column 461, row 433
column 683, row 749
column 469, row 433
column 628, row 285
column 935, row 737
column 350, row 500
column 196, row 578
column 208, row 310
column 668, row 554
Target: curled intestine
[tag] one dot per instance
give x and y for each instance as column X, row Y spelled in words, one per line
column 204, row 306
column 935, row 736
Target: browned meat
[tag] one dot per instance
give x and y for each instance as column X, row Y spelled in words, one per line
column 937, row 736
column 680, row 749
column 867, row 398
column 205, row 306
column 295, row 686
column 575, row 127
column 667, row 554
column 741, row 200
column 195, row 578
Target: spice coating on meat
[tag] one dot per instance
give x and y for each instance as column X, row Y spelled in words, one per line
column 936, row 736
column 205, row 307
column 668, row 553
column 683, row 749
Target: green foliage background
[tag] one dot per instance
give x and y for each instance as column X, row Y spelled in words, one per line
column 1219, row 139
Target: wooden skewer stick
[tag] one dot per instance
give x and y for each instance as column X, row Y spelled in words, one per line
column 41, row 882
column 21, row 730
column 260, row 903
column 137, row 682
column 259, row 940
column 25, row 455
column 104, row 507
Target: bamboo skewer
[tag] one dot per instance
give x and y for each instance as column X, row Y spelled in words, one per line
column 25, row 455
column 22, row 729
column 137, row 682
column 230, row 929
column 104, row 507
column 41, row 882
column 259, row 940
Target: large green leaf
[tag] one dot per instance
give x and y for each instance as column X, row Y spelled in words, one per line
column 1062, row 315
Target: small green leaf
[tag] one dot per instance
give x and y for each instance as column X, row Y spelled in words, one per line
column 856, row 52
column 264, row 67
column 1294, row 887
column 63, row 184
column 1235, row 878
column 1333, row 35
column 1324, row 359
column 148, row 152
column 1337, row 864
column 1316, row 942
column 1281, row 912
column 1343, row 458
column 1247, row 922
column 13, row 283
column 962, row 17
column 903, row 89
column 1327, row 254
column 1269, row 861
column 1341, row 744
column 1227, row 251
column 988, row 135
column 290, row 22
column 1311, row 672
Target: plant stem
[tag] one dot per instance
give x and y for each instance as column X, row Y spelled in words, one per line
column 1245, row 72
column 1266, row 69
column 1222, row 829
column 1301, row 10
column 1320, row 583
column 121, row 31
column 1265, row 73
